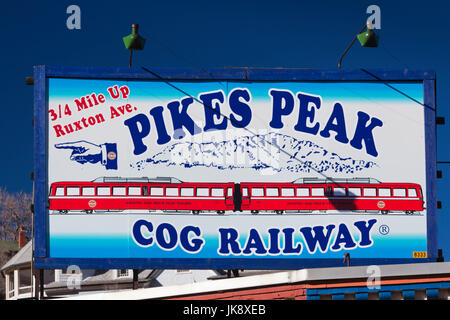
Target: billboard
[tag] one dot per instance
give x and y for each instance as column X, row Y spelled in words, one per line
column 234, row 168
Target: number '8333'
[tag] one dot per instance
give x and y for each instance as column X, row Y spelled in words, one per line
column 419, row 254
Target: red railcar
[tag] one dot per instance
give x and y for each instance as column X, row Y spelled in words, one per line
column 109, row 194
column 332, row 194
column 118, row 194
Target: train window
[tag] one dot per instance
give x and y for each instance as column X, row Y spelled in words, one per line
column 272, row 192
column 384, row 192
column 73, row 191
column 339, row 192
column 156, row 191
column 412, row 193
column 302, row 192
column 103, row 191
column 230, row 192
column 287, row 192
column 354, row 192
column 187, row 192
column 257, row 192
column 370, row 192
column 172, row 192
column 88, row 191
column 59, row 191
column 245, row 192
column 217, row 192
column 317, row 192
column 119, row 191
column 202, row 192
column 399, row 192
column 134, row 191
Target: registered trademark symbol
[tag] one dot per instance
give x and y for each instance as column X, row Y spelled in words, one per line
column 383, row 229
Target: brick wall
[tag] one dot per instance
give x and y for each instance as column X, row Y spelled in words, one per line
column 283, row 292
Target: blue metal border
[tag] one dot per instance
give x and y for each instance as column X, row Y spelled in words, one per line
column 243, row 74
column 197, row 263
column 429, row 93
column 40, row 162
column 42, row 73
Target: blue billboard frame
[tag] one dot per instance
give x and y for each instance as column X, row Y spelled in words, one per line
column 42, row 260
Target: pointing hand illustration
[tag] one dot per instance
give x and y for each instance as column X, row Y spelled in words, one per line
column 87, row 152
column 82, row 151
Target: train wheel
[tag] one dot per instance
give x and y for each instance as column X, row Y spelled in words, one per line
column 254, row 211
column 88, row 211
column 221, row 212
column 279, row 211
column 384, row 212
column 196, row 212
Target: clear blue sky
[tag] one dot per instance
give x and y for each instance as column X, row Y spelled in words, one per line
column 204, row 34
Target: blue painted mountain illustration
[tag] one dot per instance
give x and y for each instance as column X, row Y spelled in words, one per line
column 271, row 151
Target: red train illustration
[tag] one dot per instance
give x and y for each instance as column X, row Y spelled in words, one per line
column 116, row 194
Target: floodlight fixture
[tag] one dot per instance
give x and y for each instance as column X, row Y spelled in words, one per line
column 366, row 38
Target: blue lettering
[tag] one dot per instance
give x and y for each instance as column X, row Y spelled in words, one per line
column 163, row 137
column 213, row 110
column 137, row 232
column 282, row 105
column 364, row 228
column 172, row 240
column 239, row 107
column 288, row 242
column 339, row 127
column 345, row 237
column 138, row 134
column 228, row 239
column 274, row 247
column 254, row 242
column 195, row 244
column 166, row 236
column 181, row 119
column 306, row 113
column 318, row 238
column 363, row 132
